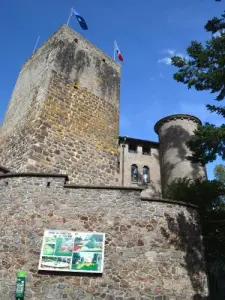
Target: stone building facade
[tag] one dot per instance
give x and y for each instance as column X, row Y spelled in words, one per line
column 64, row 167
column 63, row 116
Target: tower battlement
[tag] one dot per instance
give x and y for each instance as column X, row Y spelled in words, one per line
column 63, row 115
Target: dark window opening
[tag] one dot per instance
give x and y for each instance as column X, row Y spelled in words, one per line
column 146, row 151
column 146, row 176
column 48, row 184
column 134, row 173
column 118, row 166
column 103, row 59
column 76, row 40
column 132, row 148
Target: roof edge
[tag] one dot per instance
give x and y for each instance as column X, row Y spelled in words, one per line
column 174, row 117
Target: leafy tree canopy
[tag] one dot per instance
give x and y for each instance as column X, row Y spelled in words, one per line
column 209, row 196
column 219, row 173
column 204, row 69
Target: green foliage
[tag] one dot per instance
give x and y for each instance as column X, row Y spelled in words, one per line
column 209, row 195
column 204, row 70
column 207, row 143
column 76, row 258
column 219, row 173
column 204, row 193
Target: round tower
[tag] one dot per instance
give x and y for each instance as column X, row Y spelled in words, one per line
column 174, row 131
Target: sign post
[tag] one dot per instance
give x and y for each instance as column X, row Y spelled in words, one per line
column 20, row 285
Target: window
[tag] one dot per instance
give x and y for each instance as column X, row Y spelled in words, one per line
column 146, row 177
column 134, row 173
column 146, row 150
column 132, row 149
column 118, row 166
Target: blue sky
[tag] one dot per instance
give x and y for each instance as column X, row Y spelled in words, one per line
column 148, row 32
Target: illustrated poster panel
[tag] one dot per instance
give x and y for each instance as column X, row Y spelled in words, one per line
column 72, row 251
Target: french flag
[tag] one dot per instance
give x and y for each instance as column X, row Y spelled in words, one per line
column 117, row 50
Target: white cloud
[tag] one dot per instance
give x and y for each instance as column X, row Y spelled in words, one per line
column 218, row 33
column 165, row 60
column 170, row 52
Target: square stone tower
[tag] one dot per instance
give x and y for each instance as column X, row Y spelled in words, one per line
column 63, row 116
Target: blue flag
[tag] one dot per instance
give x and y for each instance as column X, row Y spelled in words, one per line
column 80, row 19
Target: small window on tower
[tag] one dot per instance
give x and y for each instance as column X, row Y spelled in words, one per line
column 132, row 149
column 118, row 166
column 134, row 173
column 146, row 150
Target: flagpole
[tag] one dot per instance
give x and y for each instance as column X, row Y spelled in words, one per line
column 36, row 45
column 114, row 53
column 70, row 15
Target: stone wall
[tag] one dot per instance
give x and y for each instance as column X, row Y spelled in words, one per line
column 64, row 112
column 153, row 249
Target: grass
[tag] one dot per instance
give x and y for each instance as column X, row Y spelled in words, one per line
column 85, row 267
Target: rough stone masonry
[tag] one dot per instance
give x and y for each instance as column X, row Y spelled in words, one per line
column 63, row 118
column 63, row 115
column 153, row 249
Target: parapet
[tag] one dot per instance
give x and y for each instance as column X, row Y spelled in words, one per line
column 175, row 117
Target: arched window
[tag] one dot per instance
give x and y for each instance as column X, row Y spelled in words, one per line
column 146, row 176
column 134, row 173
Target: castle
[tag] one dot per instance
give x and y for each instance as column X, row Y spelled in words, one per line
column 64, row 166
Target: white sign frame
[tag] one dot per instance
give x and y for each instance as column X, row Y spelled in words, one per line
column 88, row 249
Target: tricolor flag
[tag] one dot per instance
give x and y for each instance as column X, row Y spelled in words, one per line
column 117, row 51
column 80, row 19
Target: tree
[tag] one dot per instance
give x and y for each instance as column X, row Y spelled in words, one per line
column 205, row 70
column 219, row 173
column 76, row 258
column 204, row 193
column 208, row 195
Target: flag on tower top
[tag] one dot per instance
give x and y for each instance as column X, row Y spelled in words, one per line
column 80, row 19
column 117, row 50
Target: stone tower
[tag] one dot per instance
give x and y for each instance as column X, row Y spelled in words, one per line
column 174, row 131
column 63, row 116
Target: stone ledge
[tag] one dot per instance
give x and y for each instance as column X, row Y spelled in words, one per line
column 43, row 175
column 127, row 139
column 4, row 170
column 170, row 201
column 102, row 187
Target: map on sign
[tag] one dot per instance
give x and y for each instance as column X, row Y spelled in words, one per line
column 72, row 251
